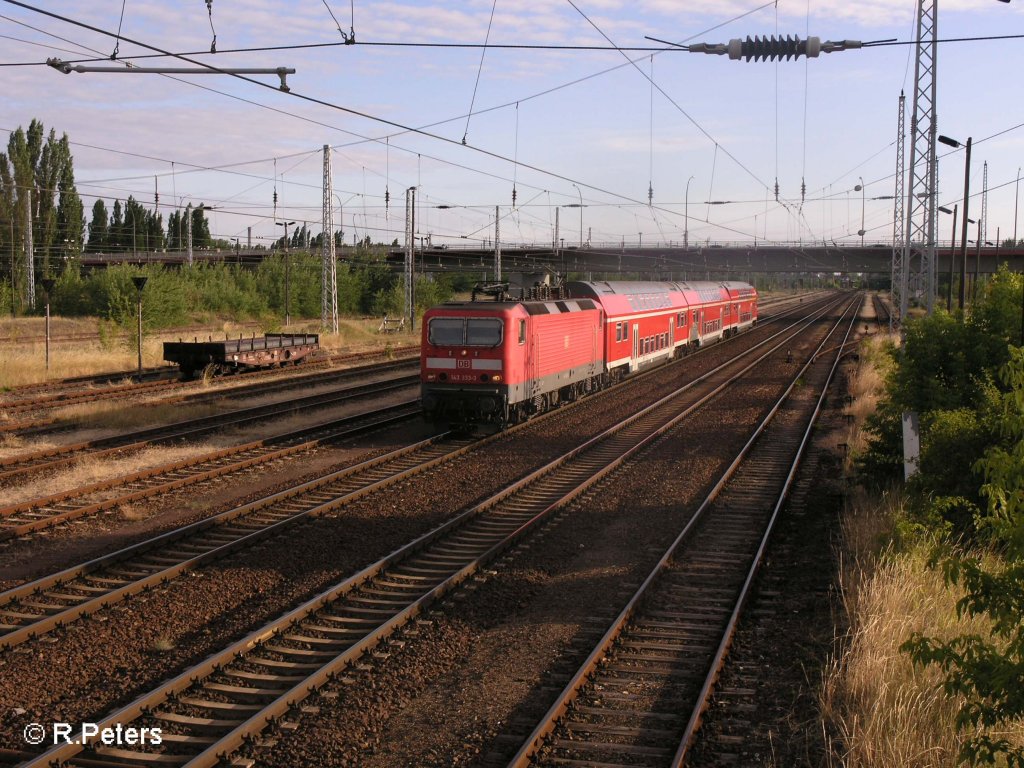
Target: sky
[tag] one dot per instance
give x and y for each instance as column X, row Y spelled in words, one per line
column 561, row 127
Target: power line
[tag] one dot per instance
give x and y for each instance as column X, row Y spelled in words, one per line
column 325, row 103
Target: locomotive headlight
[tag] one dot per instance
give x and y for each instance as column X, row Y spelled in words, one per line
column 496, row 378
column 431, row 377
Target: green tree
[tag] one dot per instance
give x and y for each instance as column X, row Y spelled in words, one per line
column 115, row 237
column 989, row 672
column 200, row 228
column 70, row 210
column 99, row 227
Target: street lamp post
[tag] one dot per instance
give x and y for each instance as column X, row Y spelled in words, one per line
column 860, row 188
column 952, row 257
column 686, row 218
column 287, row 273
column 967, row 198
column 140, row 283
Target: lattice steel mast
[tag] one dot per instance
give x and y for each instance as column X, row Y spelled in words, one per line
column 899, row 264
column 920, row 231
column 329, row 294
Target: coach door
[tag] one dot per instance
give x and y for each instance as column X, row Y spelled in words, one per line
column 532, row 383
column 636, row 342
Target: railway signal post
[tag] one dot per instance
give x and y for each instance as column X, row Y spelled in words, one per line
column 47, row 283
column 140, row 283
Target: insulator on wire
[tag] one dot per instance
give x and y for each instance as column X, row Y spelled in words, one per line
column 650, row 194
column 771, row 48
column 776, row 190
column 803, row 190
column 513, row 195
column 275, row 195
column 387, row 199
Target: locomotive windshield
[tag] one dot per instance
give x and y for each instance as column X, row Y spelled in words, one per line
column 483, row 333
column 471, row 332
column 446, row 332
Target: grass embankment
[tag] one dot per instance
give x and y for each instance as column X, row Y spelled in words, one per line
column 109, row 350
column 886, row 712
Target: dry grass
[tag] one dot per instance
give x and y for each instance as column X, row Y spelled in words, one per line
column 23, row 362
column 112, row 416
column 360, row 335
column 888, row 713
column 865, row 388
column 92, row 470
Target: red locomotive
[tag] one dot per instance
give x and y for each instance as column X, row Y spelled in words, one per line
column 500, row 362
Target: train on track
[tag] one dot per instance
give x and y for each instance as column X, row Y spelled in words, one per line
column 500, row 362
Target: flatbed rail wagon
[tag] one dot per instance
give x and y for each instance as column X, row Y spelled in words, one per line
column 231, row 355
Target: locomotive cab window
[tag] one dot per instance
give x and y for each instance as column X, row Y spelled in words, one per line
column 483, row 332
column 446, row 331
column 474, row 332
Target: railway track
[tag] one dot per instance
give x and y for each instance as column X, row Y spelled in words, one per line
column 217, row 394
column 30, row 401
column 883, row 315
column 39, row 606
column 61, row 508
column 95, row 336
column 639, row 696
column 210, row 710
column 43, row 460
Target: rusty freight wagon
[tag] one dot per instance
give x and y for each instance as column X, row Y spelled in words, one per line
column 233, row 355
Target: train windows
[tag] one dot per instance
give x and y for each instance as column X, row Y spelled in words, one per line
column 483, row 332
column 695, row 312
column 474, row 332
column 625, row 331
column 446, row 331
column 522, row 331
column 618, row 331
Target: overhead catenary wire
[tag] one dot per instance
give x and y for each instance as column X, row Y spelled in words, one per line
column 348, row 110
column 672, row 101
column 480, row 69
column 496, row 46
column 362, row 139
column 117, row 40
column 209, row 12
column 350, row 38
column 650, row 171
column 515, row 166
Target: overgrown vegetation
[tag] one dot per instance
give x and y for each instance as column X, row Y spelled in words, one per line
column 961, row 519
column 366, row 286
